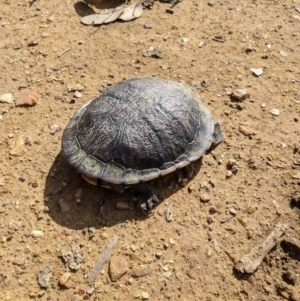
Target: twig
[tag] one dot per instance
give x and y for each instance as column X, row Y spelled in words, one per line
column 65, row 51
column 251, row 261
column 104, row 256
column 223, row 221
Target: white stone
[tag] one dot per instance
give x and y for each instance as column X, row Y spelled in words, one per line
column 275, row 112
column 145, row 296
column 201, row 43
column 7, row 98
column 283, row 53
column 257, row 71
column 37, row 233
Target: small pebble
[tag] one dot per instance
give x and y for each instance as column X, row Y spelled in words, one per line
column 204, row 198
column 77, row 94
column 209, row 253
column 239, row 94
column 6, row 98
column 73, row 88
column 275, row 112
column 27, row 100
column 34, row 184
column 44, row 277
column 122, row 206
column 158, row 255
column 232, row 211
column 283, row 53
column 256, row 71
column 145, row 296
column 148, row 25
column 37, row 233
column 104, row 235
column 172, row 241
column 54, row 128
column 90, row 290
column 203, row 184
column 201, row 43
column 141, row 272
column 17, row 147
column 63, row 281
column 92, row 232
column 229, row 174
column 213, row 210
column 185, row 40
column 117, row 267
column 211, row 3
column 130, row 281
column 248, row 49
column 209, row 220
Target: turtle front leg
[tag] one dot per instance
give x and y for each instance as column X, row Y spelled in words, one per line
column 144, row 197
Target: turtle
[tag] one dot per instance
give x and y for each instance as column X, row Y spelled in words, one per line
column 137, row 130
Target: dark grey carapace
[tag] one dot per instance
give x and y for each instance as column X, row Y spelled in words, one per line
column 137, row 130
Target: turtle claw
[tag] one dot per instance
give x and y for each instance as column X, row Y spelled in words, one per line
column 145, row 198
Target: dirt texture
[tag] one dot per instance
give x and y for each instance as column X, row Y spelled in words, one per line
column 243, row 58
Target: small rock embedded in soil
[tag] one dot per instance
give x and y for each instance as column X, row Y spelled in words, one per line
column 77, row 94
column 122, row 206
column 92, row 232
column 73, row 88
column 145, row 296
column 239, row 94
column 204, row 198
column 247, row 131
column 37, row 233
column 117, row 267
column 257, row 71
column 17, row 148
column 64, row 280
column 148, row 25
column 200, row 43
column 27, row 100
column 6, row 98
column 141, row 272
column 275, row 112
column 44, row 277
column 54, row 128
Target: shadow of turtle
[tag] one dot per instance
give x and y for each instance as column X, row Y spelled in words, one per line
column 76, row 204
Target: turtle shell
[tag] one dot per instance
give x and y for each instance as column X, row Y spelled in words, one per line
column 137, row 130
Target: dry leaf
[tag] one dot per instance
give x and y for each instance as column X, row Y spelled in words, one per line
column 125, row 13
column 102, row 18
column 132, row 11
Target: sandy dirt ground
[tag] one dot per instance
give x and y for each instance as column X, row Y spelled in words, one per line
column 54, row 225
